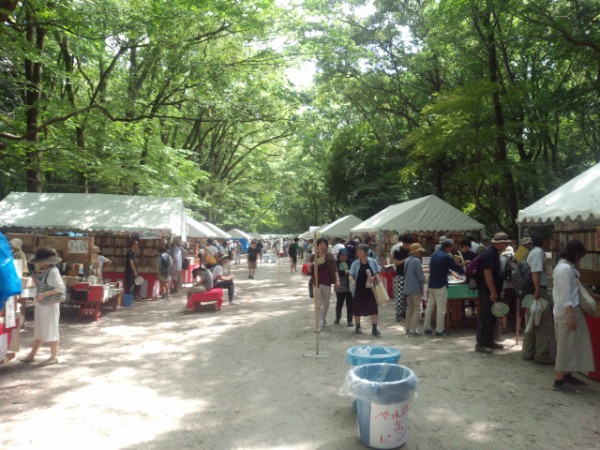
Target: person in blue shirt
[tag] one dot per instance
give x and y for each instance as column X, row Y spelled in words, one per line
column 440, row 264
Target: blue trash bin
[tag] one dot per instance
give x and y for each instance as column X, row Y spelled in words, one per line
column 127, row 300
column 366, row 354
column 383, row 392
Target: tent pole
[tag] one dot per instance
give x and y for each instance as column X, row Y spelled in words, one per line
column 316, row 303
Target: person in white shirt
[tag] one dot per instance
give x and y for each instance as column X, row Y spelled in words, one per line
column 51, row 291
column 337, row 247
column 222, row 281
column 100, row 261
column 573, row 345
column 537, row 339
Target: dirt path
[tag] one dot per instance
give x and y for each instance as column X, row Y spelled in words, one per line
column 153, row 376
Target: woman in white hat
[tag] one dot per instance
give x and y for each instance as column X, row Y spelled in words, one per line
column 50, row 293
column 16, row 245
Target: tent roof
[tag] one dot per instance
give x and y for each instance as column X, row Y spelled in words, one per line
column 341, row 227
column 578, row 199
column 217, row 232
column 422, row 214
column 197, row 229
column 237, row 233
column 93, row 212
column 310, row 234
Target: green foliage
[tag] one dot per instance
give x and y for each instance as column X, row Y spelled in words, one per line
column 488, row 104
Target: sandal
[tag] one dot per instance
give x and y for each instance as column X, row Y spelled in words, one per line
column 49, row 362
column 27, row 360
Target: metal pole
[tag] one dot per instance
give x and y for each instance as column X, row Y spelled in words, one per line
column 316, row 292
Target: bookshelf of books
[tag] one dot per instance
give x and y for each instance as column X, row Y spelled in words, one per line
column 588, row 236
column 115, row 248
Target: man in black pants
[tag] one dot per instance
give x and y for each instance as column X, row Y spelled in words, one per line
column 222, row 281
column 489, row 286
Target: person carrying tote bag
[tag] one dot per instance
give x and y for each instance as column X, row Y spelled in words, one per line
column 363, row 273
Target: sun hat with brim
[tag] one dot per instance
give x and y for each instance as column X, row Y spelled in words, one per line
column 343, row 251
column 500, row 309
column 45, row 255
column 16, row 243
column 501, row 238
column 508, row 251
column 526, row 241
column 416, row 248
column 223, row 257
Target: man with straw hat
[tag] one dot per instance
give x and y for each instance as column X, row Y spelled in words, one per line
column 489, row 289
column 414, row 279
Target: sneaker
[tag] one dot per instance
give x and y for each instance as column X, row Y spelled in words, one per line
column 358, row 330
column 495, row 346
column 566, row 388
column 417, row 334
column 337, row 321
column 376, row 333
column 428, row 331
column 442, row 333
column 574, row 381
column 350, row 324
column 483, row 349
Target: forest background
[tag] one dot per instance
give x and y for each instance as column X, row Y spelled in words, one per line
column 487, row 104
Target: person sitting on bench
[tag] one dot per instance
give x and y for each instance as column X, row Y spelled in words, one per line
column 202, row 280
column 223, row 281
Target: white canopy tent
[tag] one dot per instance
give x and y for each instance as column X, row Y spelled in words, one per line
column 577, row 201
column 217, row 232
column 310, row 234
column 197, row 229
column 93, row 212
column 236, row 233
column 422, row 214
column 341, row 227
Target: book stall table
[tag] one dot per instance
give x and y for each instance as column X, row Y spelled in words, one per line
column 89, row 299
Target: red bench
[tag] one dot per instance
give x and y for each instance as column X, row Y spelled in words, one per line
column 214, row 295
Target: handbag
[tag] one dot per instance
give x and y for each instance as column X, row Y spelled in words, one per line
column 586, row 301
column 381, row 295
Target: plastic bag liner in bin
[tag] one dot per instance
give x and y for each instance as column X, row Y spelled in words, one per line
column 366, row 354
column 382, row 393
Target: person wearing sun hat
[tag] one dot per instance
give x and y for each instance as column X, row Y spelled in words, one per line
column 414, row 279
column 489, row 290
column 51, row 292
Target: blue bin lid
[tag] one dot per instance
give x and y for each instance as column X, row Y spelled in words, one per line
column 367, row 354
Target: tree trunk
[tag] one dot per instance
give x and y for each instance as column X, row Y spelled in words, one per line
column 36, row 36
column 510, row 193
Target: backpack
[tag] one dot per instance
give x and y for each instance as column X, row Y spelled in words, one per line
column 522, row 280
column 472, row 273
column 165, row 264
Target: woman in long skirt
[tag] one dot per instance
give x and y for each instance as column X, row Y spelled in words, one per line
column 363, row 272
column 574, row 347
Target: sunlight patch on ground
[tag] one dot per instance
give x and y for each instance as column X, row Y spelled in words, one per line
column 109, row 415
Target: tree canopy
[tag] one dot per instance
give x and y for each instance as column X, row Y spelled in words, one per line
column 487, row 104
